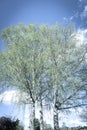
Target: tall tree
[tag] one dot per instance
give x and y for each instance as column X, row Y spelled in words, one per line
column 23, row 61
column 43, row 59
column 64, row 62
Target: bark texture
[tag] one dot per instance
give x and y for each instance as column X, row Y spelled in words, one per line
column 56, row 112
column 41, row 116
column 32, row 118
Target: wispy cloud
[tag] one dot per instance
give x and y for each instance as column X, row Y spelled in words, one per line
column 84, row 13
column 7, row 96
column 80, row 0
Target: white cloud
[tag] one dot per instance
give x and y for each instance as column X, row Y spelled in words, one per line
column 9, row 97
column 81, row 36
column 84, row 13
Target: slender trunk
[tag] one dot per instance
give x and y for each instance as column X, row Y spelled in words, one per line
column 32, row 118
column 56, row 119
column 56, row 112
column 32, row 97
column 41, row 116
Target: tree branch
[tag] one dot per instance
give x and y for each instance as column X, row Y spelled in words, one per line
column 72, row 94
column 79, row 105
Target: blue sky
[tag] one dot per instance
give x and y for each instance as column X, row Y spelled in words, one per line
column 40, row 11
column 49, row 12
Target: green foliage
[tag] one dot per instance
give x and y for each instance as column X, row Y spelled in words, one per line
column 24, row 57
column 20, row 127
column 36, row 124
column 74, row 128
column 8, row 124
column 46, row 126
column 33, row 51
column 43, row 61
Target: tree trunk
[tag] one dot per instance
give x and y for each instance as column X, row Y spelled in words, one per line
column 41, row 116
column 56, row 112
column 56, row 119
column 32, row 118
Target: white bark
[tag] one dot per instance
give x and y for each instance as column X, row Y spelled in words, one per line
column 32, row 118
column 55, row 110
column 41, row 116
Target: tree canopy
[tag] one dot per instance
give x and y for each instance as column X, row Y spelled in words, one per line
column 45, row 63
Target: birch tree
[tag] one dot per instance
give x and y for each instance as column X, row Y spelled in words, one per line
column 43, row 61
column 65, row 60
column 23, row 61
